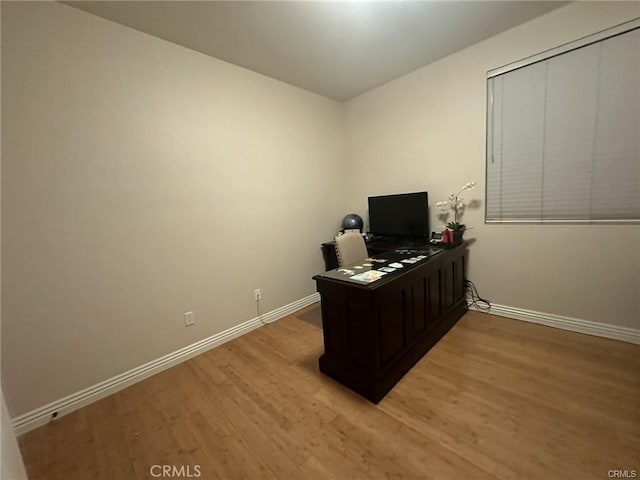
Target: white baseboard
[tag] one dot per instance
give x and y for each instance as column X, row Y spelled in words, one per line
column 42, row 415
column 625, row 334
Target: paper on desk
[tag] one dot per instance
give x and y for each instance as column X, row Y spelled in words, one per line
column 369, row 276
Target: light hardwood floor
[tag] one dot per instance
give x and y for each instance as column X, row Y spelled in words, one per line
column 495, row 398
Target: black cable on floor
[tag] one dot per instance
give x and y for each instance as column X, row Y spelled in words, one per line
column 476, row 300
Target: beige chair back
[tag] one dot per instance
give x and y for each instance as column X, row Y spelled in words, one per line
column 350, row 249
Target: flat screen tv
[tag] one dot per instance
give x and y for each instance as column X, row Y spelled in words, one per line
column 403, row 215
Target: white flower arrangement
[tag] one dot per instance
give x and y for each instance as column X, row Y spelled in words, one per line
column 455, row 203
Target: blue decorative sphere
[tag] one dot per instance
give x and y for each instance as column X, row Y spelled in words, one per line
column 352, row 221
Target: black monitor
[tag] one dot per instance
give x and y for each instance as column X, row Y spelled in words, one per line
column 404, row 215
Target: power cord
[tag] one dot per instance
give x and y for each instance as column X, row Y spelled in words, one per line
column 260, row 313
column 476, row 300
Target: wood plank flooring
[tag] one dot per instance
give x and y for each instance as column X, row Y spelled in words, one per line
column 495, row 398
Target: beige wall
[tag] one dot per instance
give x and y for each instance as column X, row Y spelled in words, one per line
column 142, row 180
column 426, row 130
column 11, row 464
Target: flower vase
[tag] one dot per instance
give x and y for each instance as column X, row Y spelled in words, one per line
column 457, row 235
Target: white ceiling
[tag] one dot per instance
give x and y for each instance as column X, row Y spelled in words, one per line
column 335, row 48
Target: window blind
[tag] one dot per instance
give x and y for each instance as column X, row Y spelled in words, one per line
column 563, row 133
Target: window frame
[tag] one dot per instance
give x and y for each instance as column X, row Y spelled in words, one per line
column 540, row 57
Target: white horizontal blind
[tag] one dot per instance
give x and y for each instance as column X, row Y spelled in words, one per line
column 563, row 135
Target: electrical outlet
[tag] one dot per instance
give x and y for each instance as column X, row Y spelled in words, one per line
column 189, row 319
column 257, row 294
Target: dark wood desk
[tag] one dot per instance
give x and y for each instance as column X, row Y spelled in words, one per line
column 374, row 247
column 375, row 332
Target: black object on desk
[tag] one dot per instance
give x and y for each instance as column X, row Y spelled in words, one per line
column 374, row 332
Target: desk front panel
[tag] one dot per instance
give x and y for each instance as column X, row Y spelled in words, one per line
column 373, row 335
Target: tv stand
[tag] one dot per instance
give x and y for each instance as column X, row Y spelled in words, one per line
column 376, row 244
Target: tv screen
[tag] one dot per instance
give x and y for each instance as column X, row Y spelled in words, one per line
column 402, row 215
